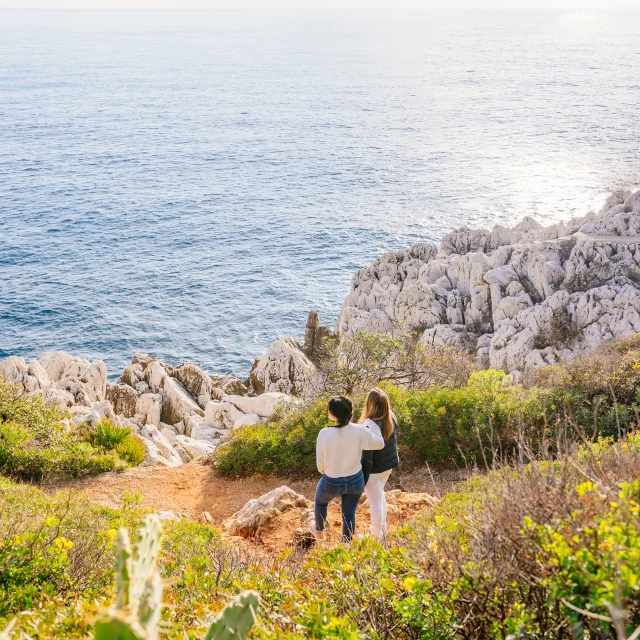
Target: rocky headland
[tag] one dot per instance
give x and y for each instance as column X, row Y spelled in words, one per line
column 517, row 299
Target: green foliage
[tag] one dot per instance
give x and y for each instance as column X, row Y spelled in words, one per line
column 107, row 436
column 532, row 552
column 42, row 421
column 35, row 444
column 434, row 425
column 286, row 445
column 137, row 610
column 471, row 423
column 52, row 546
column 131, row 449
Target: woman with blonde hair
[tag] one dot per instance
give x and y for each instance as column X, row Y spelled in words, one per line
column 377, row 465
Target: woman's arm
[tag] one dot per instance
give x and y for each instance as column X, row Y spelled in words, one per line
column 373, row 436
column 320, row 452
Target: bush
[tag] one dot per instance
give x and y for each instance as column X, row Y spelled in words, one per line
column 132, row 450
column 42, row 421
column 536, row 551
column 35, row 444
column 591, row 396
column 364, row 360
column 53, row 546
column 285, row 445
column 107, row 436
column 434, row 425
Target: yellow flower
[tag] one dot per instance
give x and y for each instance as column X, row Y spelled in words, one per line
column 409, row 583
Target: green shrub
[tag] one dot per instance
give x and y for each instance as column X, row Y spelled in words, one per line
column 107, row 436
column 433, row 425
column 53, row 546
column 41, row 420
column 534, row 552
column 285, row 445
column 35, row 444
column 132, row 450
column 595, row 395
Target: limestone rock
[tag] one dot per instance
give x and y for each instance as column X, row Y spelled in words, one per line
column 248, row 419
column 31, row 377
column 177, row 404
column 194, row 379
column 207, row 433
column 222, row 385
column 59, row 397
column 263, row 405
column 284, row 368
column 259, row 511
column 123, row 399
column 314, row 336
column 158, row 446
column 149, row 404
column 196, row 448
column 512, row 287
column 221, row 414
column 205, row 518
column 87, row 381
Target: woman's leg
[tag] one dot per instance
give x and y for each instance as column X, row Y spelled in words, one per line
column 350, row 500
column 323, row 498
column 377, row 502
column 349, row 506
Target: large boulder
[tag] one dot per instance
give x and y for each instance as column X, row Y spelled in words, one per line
column 259, row 511
column 222, row 415
column 195, row 380
column 86, row 381
column 263, row 405
column 123, row 398
column 196, row 448
column 57, row 397
column 30, row 377
column 284, row 368
column 158, row 444
column 177, row 404
column 149, row 404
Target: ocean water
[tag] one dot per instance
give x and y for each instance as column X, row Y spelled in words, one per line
column 191, row 184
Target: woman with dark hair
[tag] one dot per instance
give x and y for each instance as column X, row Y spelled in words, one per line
column 338, row 455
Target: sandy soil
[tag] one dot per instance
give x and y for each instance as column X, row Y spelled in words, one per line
column 194, row 488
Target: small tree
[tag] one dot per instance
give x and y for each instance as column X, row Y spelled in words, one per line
column 363, row 360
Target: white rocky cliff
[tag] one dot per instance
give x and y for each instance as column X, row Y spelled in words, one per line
column 518, row 298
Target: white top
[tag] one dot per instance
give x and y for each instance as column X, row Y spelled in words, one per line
column 339, row 449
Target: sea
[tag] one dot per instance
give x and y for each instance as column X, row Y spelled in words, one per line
column 191, row 183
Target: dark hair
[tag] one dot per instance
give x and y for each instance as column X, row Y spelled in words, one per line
column 342, row 409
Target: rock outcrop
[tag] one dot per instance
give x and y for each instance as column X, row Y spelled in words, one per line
column 284, row 368
column 180, row 413
column 314, row 336
column 518, row 298
column 260, row 511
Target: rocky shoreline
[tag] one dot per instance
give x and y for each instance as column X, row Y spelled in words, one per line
column 517, row 299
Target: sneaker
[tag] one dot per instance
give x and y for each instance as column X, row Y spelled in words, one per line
column 318, row 535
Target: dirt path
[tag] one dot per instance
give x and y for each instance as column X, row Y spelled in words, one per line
column 193, row 488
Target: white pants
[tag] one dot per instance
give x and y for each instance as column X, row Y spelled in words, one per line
column 378, row 503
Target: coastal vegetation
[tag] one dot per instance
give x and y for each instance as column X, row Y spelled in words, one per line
column 543, row 549
column 35, row 443
column 468, row 420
